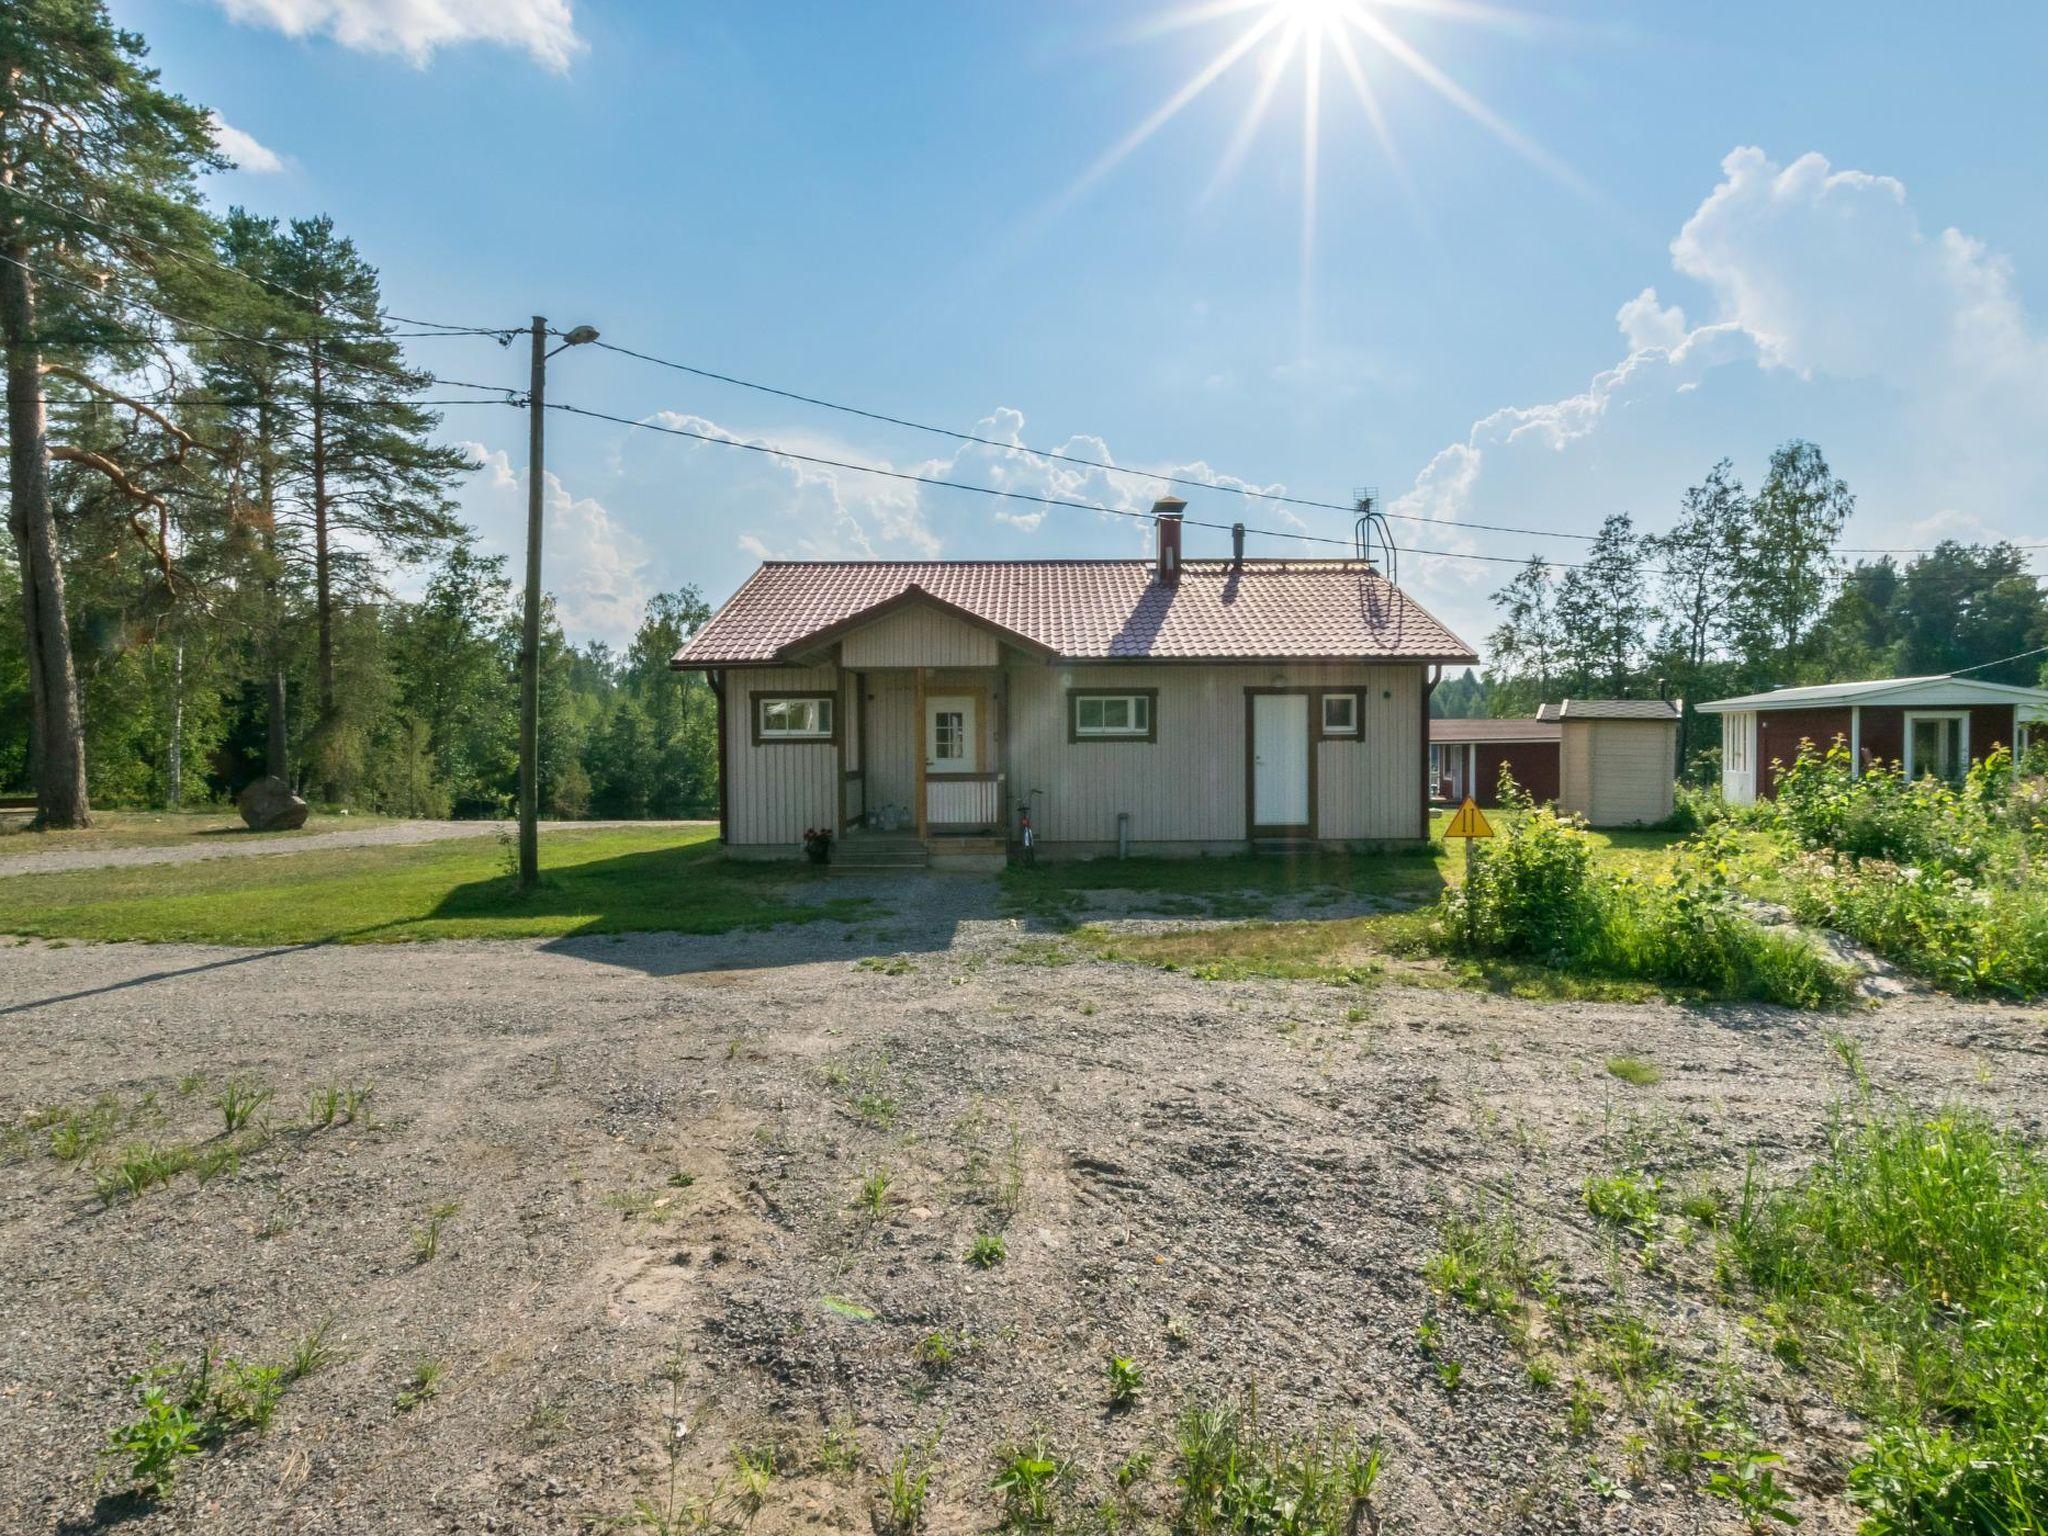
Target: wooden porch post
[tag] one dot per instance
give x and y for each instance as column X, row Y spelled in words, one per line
column 918, row 730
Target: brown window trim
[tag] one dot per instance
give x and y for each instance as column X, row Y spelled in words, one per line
column 1149, row 734
column 1357, row 731
column 755, row 703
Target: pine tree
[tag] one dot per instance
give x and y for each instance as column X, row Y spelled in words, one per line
column 97, row 167
column 1602, row 613
column 366, row 479
column 1525, row 647
column 1697, row 585
column 1784, row 566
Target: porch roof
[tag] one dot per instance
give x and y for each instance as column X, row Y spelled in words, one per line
column 1092, row 610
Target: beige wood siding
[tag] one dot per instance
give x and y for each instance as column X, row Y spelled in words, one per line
column 892, row 742
column 918, row 635
column 1189, row 786
column 776, row 790
column 1617, row 773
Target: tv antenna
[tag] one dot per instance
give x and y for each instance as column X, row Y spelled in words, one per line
column 1373, row 538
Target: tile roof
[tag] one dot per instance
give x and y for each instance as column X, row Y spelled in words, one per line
column 1488, row 729
column 1095, row 610
column 1617, row 709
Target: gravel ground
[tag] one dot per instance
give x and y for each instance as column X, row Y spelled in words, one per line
column 250, row 845
column 653, row 1146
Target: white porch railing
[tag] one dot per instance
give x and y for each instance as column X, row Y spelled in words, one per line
column 954, row 801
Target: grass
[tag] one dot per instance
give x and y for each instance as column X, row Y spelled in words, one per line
column 160, row 829
column 1635, row 1071
column 654, row 879
column 1347, row 951
column 1914, row 1259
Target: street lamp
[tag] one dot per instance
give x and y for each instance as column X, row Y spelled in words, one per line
column 529, row 651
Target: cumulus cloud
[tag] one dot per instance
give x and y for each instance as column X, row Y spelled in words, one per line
column 249, row 155
column 545, row 29
column 1829, row 303
column 786, row 506
column 599, row 570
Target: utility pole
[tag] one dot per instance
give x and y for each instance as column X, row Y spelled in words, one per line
column 529, row 638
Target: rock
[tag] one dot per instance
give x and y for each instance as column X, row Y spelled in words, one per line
column 268, row 805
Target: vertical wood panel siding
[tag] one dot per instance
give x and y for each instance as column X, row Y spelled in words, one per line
column 892, row 742
column 777, row 790
column 1618, row 772
column 917, row 636
column 1189, row 786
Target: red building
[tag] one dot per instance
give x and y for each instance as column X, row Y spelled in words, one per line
column 1921, row 725
column 1466, row 757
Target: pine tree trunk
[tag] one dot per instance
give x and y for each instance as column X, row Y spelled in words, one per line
column 277, row 749
column 174, row 792
column 57, row 757
column 323, row 578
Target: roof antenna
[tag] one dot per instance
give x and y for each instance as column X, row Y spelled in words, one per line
column 1373, row 538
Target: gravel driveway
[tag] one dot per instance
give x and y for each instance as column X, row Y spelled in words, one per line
column 653, row 1148
column 242, row 845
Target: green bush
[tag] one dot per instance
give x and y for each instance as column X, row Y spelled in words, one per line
column 1532, row 895
column 1946, row 882
column 1918, row 1247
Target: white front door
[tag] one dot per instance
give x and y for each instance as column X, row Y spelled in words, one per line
column 1280, row 760
column 952, row 744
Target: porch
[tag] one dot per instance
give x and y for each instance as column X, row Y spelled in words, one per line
column 922, row 762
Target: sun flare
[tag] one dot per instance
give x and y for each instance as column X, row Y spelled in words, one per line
column 1295, row 44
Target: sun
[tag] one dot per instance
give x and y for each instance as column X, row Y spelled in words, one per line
column 1297, row 41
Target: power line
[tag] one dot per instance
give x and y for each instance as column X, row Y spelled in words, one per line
column 773, row 451
column 441, row 327
column 271, row 343
column 1165, row 478
column 2038, row 650
column 1066, row 458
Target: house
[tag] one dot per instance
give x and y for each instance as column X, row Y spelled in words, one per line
column 1921, row 725
column 1611, row 761
column 1160, row 705
column 1466, row 758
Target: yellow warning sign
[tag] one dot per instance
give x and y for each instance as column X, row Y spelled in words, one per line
column 1468, row 822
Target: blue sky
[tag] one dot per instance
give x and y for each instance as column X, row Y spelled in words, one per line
column 908, row 207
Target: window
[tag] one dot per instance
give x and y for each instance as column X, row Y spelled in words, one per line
column 949, row 735
column 1340, row 714
column 1105, row 716
column 1938, row 746
column 794, row 717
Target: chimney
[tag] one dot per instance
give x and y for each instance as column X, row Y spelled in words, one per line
column 1237, row 543
column 1166, row 516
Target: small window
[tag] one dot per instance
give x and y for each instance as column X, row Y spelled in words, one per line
column 1112, row 716
column 1340, row 714
column 802, row 718
column 949, row 735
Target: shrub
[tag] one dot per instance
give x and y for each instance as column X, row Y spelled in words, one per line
column 1532, row 895
column 1235, row 1478
column 1921, row 1242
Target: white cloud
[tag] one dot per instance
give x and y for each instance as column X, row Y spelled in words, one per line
column 1835, row 315
column 545, row 29
column 249, row 155
column 598, row 569
column 1648, row 325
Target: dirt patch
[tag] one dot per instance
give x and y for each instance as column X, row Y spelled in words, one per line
column 656, row 1149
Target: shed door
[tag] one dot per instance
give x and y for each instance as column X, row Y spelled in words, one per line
column 1280, row 760
column 951, row 736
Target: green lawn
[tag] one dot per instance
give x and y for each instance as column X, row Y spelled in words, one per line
column 159, row 829
column 665, row 879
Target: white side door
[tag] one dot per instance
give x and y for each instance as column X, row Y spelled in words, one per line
column 1738, row 757
column 1280, row 760
column 952, row 743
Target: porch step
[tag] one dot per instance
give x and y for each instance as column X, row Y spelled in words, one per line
column 879, row 850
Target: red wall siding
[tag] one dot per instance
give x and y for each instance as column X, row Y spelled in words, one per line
column 1533, row 763
column 1779, row 732
column 1881, row 733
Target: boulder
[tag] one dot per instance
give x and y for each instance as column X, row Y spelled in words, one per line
column 268, row 805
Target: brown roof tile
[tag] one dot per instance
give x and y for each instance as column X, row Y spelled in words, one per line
column 1095, row 610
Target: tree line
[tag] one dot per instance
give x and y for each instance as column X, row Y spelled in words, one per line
column 217, row 461
column 1747, row 591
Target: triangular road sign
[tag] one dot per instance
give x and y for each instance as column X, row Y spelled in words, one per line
column 1468, row 822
